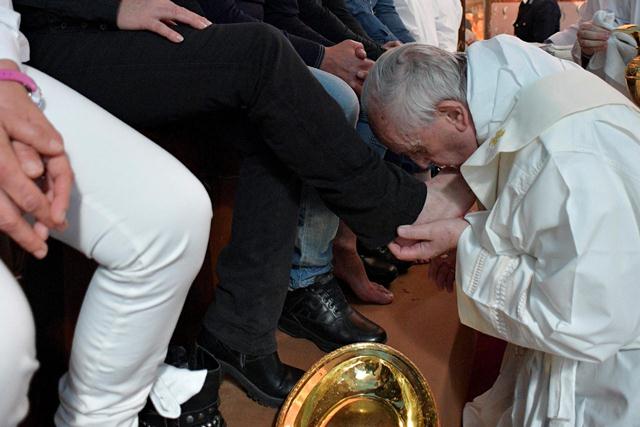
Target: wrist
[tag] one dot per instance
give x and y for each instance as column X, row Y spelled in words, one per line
column 18, row 77
column 7, row 64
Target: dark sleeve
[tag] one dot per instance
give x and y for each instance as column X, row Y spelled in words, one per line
column 88, row 10
column 322, row 20
column 312, row 53
column 547, row 21
column 225, row 12
column 284, row 14
column 340, row 10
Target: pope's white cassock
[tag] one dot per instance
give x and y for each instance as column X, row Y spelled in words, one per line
column 552, row 264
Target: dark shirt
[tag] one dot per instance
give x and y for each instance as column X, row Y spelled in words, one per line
column 537, row 20
column 237, row 11
column 43, row 12
column 285, row 14
column 321, row 18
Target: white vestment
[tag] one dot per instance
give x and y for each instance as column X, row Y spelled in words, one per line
column 433, row 22
column 551, row 265
column 625, row 11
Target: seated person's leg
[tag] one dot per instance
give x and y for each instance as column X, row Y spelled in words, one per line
column 18, row 350
column 251, row 69
column 313, row 288
column 148, row 231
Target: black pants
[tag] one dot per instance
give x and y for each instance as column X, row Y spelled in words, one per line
column 283, row 122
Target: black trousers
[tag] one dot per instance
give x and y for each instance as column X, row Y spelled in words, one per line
column 283, row 122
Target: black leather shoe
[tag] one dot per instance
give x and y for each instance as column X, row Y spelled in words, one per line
column 265, row 378
column 379, row 263
column 199, row 411
column 321, row 313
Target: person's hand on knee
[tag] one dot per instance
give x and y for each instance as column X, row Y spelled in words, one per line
column 158, row 16
column 35, row 175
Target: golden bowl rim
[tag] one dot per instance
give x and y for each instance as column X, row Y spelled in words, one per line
column 355, row 349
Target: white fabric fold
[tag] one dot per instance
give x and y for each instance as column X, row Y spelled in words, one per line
column 621, row 48
column 173, row 387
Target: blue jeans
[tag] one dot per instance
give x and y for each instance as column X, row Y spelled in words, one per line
column 380, row 20
column 317, row 225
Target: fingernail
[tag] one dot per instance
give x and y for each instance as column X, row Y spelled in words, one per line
column 206, row 23
column 41, row 253
column 179, row 38
column 55, row 145
column 31, row 168
column 63, row 218
column 41, row 230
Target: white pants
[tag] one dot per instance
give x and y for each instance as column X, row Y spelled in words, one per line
column 145, row 219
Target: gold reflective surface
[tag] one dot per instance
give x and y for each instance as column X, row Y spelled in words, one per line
column 632, row 72
column 361, row 385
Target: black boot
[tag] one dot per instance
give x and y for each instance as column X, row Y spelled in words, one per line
column 265, row 378
column 200, row 410
column 321, row 313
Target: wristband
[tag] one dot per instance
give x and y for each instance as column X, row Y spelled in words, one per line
column 19, row 77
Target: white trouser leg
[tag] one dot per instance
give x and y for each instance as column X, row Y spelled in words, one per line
column 145, row 219
column 17, row 350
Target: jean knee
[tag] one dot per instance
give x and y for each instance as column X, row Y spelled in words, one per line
column 341, row 92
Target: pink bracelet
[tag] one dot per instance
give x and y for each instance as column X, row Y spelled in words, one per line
column 17, row 76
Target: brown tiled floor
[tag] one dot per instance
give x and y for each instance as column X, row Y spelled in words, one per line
column 422, row 323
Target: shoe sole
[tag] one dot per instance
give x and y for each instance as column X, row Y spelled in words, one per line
column 250, row 388
column 296, row 330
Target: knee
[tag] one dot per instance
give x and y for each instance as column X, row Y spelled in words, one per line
column 188, row 218
column 341, row 93
column 266, row 35
column 17, row 353
column 17, row 330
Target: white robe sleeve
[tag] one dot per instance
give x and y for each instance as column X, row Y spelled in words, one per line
column 569, row 285
column 13, row 45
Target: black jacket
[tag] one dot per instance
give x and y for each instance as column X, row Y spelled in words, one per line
column 321, row 16
column 537, row 20
column 308, row 44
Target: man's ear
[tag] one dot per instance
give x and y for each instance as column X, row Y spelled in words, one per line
column 455, row 113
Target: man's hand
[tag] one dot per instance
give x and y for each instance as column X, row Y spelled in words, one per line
column 448, row 196
column 592, row 38
column 425, row 241
column 347, row 60
column 391, row 44
column 28, row 142
column 157, row 16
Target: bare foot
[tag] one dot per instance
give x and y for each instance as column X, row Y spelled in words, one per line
column 348, row 267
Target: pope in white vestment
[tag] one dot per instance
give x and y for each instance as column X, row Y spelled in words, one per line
column 551, row 262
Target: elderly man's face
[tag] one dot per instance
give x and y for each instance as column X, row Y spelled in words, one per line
column 448, row 141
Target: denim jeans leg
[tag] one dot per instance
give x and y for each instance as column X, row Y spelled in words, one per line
column 317, row 225
column 367, row 135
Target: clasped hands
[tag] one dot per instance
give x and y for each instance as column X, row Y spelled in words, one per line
column 35, row 174
column 436, row 231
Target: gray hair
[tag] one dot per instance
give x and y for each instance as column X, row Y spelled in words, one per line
column 408, row 82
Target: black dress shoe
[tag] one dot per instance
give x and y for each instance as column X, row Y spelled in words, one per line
column 200, row 410
column 379, row 263
column 265, row 378
column 321, row 313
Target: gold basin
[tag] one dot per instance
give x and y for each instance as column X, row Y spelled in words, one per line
column 633, row 79
column 361, row 385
